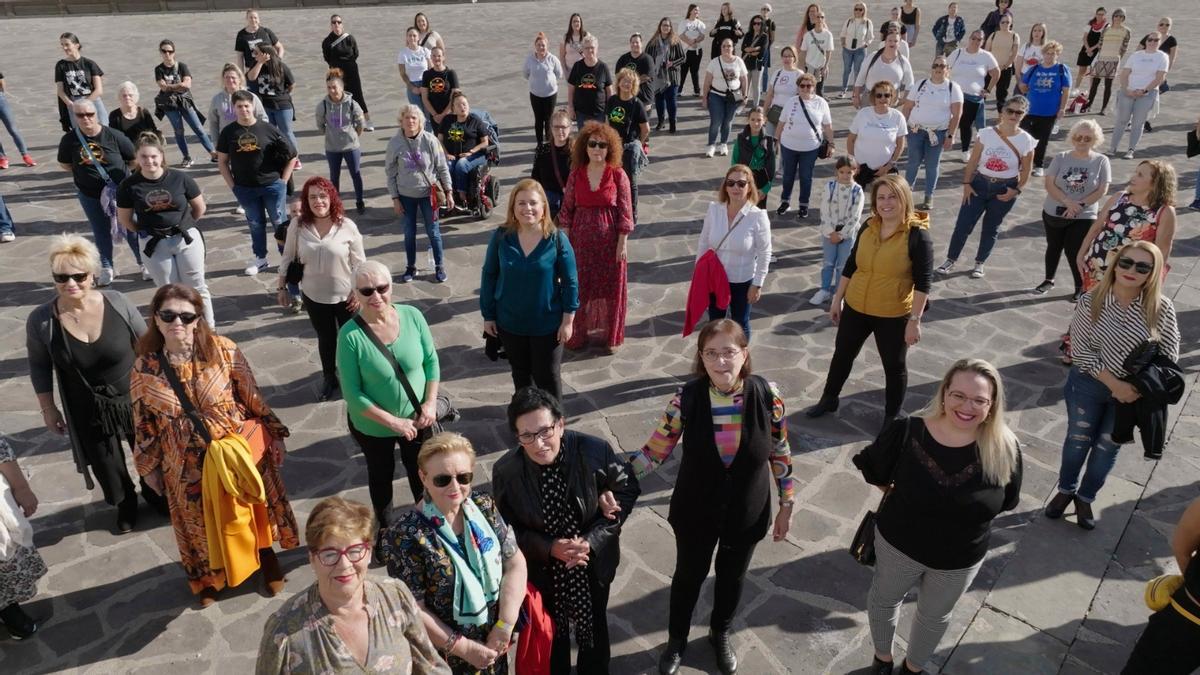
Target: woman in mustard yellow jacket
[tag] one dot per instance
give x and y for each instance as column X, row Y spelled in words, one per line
column 884, row 284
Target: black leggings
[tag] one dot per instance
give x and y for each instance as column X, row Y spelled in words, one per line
column 543, row 107
column 106, row 460
column 534, row 359
column 966, row 123
column 693, row 555
column 327, row 320
column 1064, row 236
column 852, row 333
column 691, row 65
column 592, row 660
column 380, row 454
column 1107, row 92
column 1040, row 127
column 1002, row 85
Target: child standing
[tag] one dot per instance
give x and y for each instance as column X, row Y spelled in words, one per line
column 841, row 210
column 756, row 149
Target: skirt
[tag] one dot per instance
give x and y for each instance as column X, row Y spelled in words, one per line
column 1085, row 59
column 1105, row 67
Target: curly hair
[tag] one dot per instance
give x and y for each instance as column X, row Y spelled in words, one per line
column 579, row 151
column 336, row 210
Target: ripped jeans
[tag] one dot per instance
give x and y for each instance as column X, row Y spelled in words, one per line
column 1091, row 411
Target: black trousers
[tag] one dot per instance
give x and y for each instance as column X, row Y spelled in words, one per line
column 326, row 320
column 1002, row 85
column 591, row 660
column 693, row 555
column 691, row 65
column 966, row 123
column 1168, row 646
column 1107, row 92
column 380, row 454
column 852, row 333
column 1064, row 236
column 535, row 360
column 542, row 106
column 1039, row 126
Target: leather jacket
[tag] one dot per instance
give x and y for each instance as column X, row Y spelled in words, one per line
column 591, row 467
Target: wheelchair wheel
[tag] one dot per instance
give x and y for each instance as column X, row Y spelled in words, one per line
column 486, row 196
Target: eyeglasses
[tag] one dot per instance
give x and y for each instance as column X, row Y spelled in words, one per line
column 544, row 434
column 169, row 316
column 733, row 182
column 372, row 290
column 603, row 145
column 443, row 479
column 1127, row 263
column 859, row 9
column 77, row 278
column 1083, row 139
column 939, row 66
column 84, row 116
column 726, row 354
column 1014, row 111
column 167, row 51
column 330, row 556
column 961, row 399
column 882, row 94
column 804, row 86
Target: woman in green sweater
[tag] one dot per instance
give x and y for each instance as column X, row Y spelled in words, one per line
column 382, row 414
column 757, row 149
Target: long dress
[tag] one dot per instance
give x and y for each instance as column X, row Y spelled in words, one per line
column 20, row 571
column 593, row 220
column 1127, row 222
column 225, row 394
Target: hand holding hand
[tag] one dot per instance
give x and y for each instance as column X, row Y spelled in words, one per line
column 499, row 639
column 479, row 656
column 609, row 508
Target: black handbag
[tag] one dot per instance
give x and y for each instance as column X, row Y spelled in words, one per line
column 1193, row 144
column 826, row 149
column 295, row 272
column 862, row 547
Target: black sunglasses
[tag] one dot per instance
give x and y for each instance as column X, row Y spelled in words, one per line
column 372, row 290
column 882, row 94
column 443, row 479
column 168, row 316
column 167, row 51
column 84, row 116
column 1130, row 263
column 64, row 278
column 731, row 182
column 598, row 144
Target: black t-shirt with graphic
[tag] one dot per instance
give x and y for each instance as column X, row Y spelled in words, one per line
column 642, row 65
column 459, row 137
column 441, row 84
column 76, row 76
column 133, row 128
column 626, row 117
column 159, row 204
column 247, row 147
column 247, row 42
column 111, row 149
column 591, row 87
column 275, row 94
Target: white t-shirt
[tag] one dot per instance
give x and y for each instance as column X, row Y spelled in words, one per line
column 876, row 135
column 933, row 101
column 414, row 61
column 970, row 70
column 786, row 85
column 898, row 72
column 1144, row 65
column 1031, row 55
column 812, row 45
column 996, row 159
column 902, row 47
column 692, row 29
column 733, row 74
column 798, row 134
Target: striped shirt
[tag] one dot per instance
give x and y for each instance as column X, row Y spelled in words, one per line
column 727, row 427
column 1106, row 344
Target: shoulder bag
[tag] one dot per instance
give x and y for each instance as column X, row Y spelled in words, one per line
column 108, row 196
column 862, row 547
column 254, row 431
column 729, row 97
column 435, row 188
column 826, row 149
column 776, row 109
column 295, row 269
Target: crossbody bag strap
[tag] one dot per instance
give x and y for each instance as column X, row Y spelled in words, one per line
column 729, row 231
column 391, row 359
column 91, row 157
column 816, row 131
column 189, row 408
column 1010, row 147
column 339, row 41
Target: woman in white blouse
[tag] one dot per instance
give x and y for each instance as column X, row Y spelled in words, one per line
column 877, row 135
column 933, row 112
column 1140, row 78
column 804, row 125
column 856, row 37
column 726, row 81
column 329, row 247
column 740, row 233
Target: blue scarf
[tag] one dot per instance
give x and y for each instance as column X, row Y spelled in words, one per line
column 477, row 569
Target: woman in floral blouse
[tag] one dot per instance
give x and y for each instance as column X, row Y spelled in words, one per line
column 460, row 559
column 20, row 564
column 346, row 621
column 1143, row 212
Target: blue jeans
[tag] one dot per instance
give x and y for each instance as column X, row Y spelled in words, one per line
column 462, row 167
column 282, row 120
column 353, row 159
column 720, row 117
column 554, row 202
column 1198, row 185
column 411, row 205
column 177, row 118
column 921, row 151
column 415, row 99
column 102, row 231
column 852, row 60
column 834, row 258
column 262, row 204
column 582, row 119
column 101, row 112
column 739, row 306
column 1091, row 411
column 983, row 203
column 6, row 221
column 798, row 161
column 6, row 118
column 665, row 100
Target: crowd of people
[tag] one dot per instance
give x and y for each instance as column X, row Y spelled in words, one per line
column 528, row 563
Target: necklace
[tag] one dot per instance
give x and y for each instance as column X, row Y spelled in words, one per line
column 182, row 356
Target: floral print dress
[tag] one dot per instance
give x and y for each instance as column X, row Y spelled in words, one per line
column 20, row 573
column 1127, row 222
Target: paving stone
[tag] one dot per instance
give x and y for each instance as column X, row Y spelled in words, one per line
column 998, row 643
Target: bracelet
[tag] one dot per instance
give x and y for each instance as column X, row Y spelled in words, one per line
column 451, row 641
column 786, row 502
column 503, row 625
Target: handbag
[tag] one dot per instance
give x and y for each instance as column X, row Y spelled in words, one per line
column 1193, row 144
column 729, row 97
column 113, row 410
column 445, row 413
column 776, row 109
column 862, row 547
column 253, row 430
column 108, row 196
column 295, row 269
column 826, row 149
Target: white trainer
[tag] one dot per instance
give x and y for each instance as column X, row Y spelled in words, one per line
column 257, row 265
column 820, row 297
column 710, row 151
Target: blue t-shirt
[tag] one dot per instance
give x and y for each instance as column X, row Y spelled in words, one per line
column 1045, row 88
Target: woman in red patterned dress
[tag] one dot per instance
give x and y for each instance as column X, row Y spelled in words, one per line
column 597, row 214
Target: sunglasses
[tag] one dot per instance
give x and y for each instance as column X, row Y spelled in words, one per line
column 168, row 316
column 77, row 278
column 330, row 556
column 598, row 144
column 1083, row 139
column 443, row 479
column 1011, row 111
column 84, row 116
column 167, row 51
column 1139, row 267
column 730, row 182
column 804, row 86
column 336, row 21
column 939, row 66
column 372, row 290
column 882, row 94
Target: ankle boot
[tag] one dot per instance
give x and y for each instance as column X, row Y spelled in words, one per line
column 726, row 658
column 671, row 126
column 127, row 512
column 272, row 573
column 1058, row 505
column 659, row 125
column 672, row 656
column 19, row 624
column 1083, row 514
column 825, row 405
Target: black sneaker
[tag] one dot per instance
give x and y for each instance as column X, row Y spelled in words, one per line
column 881, row 667
column 825, row 405
column 1043, row 287
column 783, row 208
column 801, row 212
column 1146, row 127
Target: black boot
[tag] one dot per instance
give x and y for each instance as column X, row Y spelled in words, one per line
column 328, row 389
column 726, row 657
column 127, row 512
column 825, row 405
column 1083, row 514
column 659, row 126
column 19, row 624
column 672, row 656
column 671, row 126
column 881, row 667
column 1058, row 505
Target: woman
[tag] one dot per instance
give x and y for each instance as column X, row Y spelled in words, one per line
column 1111, row 51
column 439, row 83
column 340, row 51
column 692, row 31
column 1144, row 211
column 330, row 247
column 413, row 61
column 1031, row 52
column 430, row 38
column 1077, row 182
column 910, row 20
column 221, row 112
column 992, row 21
column 991, row 188
column 1112, row 320
column 784, row 85
column 597, row 214
column 20, row 563
column 77, row 77
column 724, row 90
column 740, row 234
column 543, row 70
column 948, row 31
column 976, row 71
column 552, row 161
column 174, row 98
column 529, row 290
column 275, row 84
column 808, row 22
column 884, row 132
column 6, row 118
column 1169, row 46
column 183, row 365
column 754, row 47
column 666, row 49
column 1141, row 75
column 755, row 148
column 884, row 284
column 947, row 472
column 84, row 338
column 163, row 206
column 800, row 141
column 726, row 28
column 589, row 85
column 570, row 50
column 726, row 505
column 382, row 414
column 856, row 37
column 627, row 116
column 469, row 588
column 130, row 118
column 932, row 112
column 1091, row 44
column 1048, row 87
column 815, row 51
column 346, row 620
column 342, row 121
column 1005, row 46
column 416, row 166
column 465, row 139
column 550, row 490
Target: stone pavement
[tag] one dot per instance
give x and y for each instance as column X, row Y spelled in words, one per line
column 1051, row 597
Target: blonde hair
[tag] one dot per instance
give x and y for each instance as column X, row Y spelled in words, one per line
column 903, row 193
column 337, row 517
column 627, row 74
column 528, row 185
column 1162, row 185
column 1088, row 125
column 1151, row 289
column 998, row 445
column 444, row 444
column 1052, row 46
column 752, row 195
column 74, row 251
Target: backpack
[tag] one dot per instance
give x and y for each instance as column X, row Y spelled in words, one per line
column 493, row 129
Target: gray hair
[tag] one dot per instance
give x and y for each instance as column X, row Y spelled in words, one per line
column 1019, row 101
column 1088, row 125
column 130, row 87
column 590, row 39
column 411, row 109
column 372, row 268
column 84, row 105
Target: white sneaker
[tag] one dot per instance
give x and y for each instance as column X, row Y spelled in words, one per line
column 945, row 267
column 297, row 306
column 239, row 211
column 820, row 297
column 1039, row 171
column 105, row 277
column 1128, row 154
column 1054, row 131
column 844, row 94
column 6, row 237
column 977, row 271
column 723, row 149
column 257, row 265
column 710, row 151
column 146, row 274
column 966, row 156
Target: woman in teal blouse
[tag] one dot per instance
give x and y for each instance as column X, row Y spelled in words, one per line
column 381, row 414
column 529, row 290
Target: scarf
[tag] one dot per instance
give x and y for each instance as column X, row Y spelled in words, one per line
column 572, row 599
column 477, row 569
column 605, row 197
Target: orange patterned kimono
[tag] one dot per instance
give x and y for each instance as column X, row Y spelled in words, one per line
column 225, row 394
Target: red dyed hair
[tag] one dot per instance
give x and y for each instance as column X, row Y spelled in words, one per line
column 336, row 210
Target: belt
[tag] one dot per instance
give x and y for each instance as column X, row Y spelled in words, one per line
column 991, row 179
